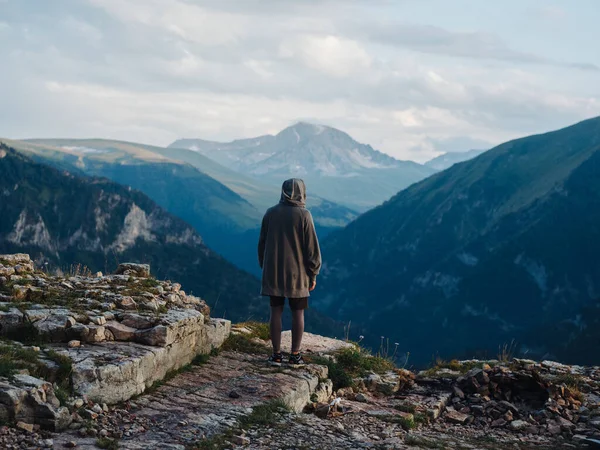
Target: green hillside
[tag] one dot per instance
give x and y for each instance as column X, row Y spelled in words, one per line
column 499, row 247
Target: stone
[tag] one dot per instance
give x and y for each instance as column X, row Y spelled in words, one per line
column 78, row 403
column 52, row 326
column 456, row 416
column 174, row 324
column 98, row 320
column 71, row 444
column 89, row 414
column 518, row 425
column 127, row 303
column 240, row 440
column 96, row 334
column 74, row 344
column 98, row 372
column 323, row 391
column 120, row 331
column 25, row 426
column 234, row 394
column 360, row 397
column 10, row 320
column 458, row 392
column 132, row 269
column 97, row 409
column 498, row 423
column 138, row 321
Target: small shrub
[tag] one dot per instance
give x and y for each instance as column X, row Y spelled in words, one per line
column 65, row 366
column 506, row 352
column 200, row 359
column 337, row 374
column 406, row 407
column 358, row 362
column 265, row 414
column 61, row 394
column 107, row 443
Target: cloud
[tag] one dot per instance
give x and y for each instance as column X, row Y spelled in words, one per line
column 440, row 41
column 156, row 70
column 331, row 55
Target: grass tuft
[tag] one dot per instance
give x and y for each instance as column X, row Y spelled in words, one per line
column 244, row 344
column 265, row 414
column 107, row 443
column 258, row 330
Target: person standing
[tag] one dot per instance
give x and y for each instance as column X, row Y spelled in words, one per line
column 290, row 259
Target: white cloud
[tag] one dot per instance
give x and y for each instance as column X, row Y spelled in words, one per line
column 157, row 70
column 331, row 55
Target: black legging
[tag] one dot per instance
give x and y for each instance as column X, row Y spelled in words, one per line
column 277, row 326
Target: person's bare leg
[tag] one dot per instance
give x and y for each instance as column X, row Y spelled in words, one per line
column 276, row 327
column 297, row 329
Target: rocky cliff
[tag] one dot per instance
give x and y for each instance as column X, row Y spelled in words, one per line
column 126, row 361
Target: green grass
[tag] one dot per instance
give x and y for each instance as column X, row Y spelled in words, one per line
column 200, row 359
column 265, row 414
column 423, row 442
column 407, row 423
column 337, row 374
column 65, row 367
column 258, row 330
column 358, row 362
column 406, row 407
column 14, row 358
column 107, row 443
column 455, row 365
column 61, row 394
column 243, row 343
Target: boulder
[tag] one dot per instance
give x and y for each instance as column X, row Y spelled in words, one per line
column 120, row 331
column 138, row 321
column 111, row 372
column 175, row 325
column 30, row 400
column 10, row 320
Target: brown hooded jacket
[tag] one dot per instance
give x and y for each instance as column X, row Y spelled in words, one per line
column 288, row 248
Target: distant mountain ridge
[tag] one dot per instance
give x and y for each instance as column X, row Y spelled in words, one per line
column 504, row 246
column 334, row 165
column 65, row 219
column 448, row 159
column 224, row 206
column 300, row 149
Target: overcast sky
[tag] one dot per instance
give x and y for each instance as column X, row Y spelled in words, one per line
column 412, row 78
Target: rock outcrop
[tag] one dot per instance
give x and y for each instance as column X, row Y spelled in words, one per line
column 102, row 337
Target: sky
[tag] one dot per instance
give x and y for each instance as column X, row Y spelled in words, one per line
column 412, row 78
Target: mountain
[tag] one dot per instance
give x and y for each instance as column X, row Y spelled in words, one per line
column 333, row 164
column 224, row 206
column 64, row 219
column 448, row 159
column 504, row 246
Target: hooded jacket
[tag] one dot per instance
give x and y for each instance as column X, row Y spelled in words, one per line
column 288, row 248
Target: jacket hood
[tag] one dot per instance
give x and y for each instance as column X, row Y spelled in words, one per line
column 293, row 192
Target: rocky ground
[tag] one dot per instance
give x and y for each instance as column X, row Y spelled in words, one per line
column 122, row 361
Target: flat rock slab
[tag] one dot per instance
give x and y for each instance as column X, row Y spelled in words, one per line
column 313, row 343
column 197, row 403
column 111, row 372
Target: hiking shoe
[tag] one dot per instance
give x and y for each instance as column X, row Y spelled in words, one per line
column 296, row 360
column 276, row 359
